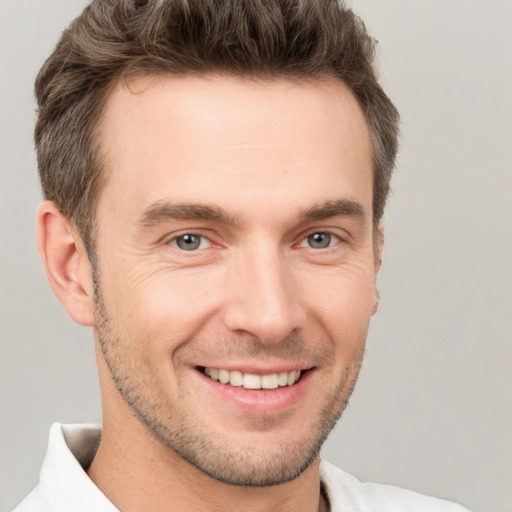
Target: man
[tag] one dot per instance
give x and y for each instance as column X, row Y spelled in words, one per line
column 215, row 176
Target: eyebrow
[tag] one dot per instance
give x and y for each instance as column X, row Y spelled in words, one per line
column 162, row 211
column 341, row 207
column 159, row 212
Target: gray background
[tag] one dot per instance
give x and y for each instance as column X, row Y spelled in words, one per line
column 433, row 408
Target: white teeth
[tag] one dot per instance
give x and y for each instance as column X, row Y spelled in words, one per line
column 236, row 378
column 253, row 381
column 224, row 376
column 282, row 379
column 291, row 378
column 269, row 381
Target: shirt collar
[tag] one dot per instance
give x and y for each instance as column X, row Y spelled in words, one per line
column 63, row 479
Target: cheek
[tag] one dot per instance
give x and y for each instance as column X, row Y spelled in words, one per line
column 343, row 302
column 347, row 290
column 165, row 306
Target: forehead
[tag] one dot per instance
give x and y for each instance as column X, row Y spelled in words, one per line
column 176, row 136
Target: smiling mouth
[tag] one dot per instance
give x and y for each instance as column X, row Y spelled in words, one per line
column 237, row 378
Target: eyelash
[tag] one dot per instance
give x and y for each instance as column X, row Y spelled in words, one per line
column 337, row 239
column 330, row 236
column 174, row 241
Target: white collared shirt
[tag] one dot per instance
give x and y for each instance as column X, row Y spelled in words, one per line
column 65, row 487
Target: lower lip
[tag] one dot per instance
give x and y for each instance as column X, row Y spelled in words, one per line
column 260, row 400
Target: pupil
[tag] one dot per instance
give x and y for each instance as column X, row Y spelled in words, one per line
column 188, row 242
column 319, row 240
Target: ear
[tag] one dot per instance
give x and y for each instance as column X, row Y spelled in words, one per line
column 378, row 250
column 66, row 263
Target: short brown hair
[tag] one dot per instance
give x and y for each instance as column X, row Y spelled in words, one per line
column 296, row 39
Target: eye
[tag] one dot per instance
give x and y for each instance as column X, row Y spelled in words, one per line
column 190, row 242
column 321, row 240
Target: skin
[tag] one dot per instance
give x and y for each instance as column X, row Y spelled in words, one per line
column 259, row 166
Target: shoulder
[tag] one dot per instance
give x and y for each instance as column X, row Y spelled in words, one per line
column 347, row 493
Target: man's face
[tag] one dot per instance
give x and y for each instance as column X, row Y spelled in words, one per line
column 234, row 252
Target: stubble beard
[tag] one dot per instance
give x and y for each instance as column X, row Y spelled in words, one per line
column 194, row 441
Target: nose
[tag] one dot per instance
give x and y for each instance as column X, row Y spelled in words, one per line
column 262, row 299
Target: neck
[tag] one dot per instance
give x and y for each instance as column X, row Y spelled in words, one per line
column 136, row 472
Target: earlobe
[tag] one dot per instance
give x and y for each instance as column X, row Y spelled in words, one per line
column 66, row 263
column 378, row 249
column 376, row 301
